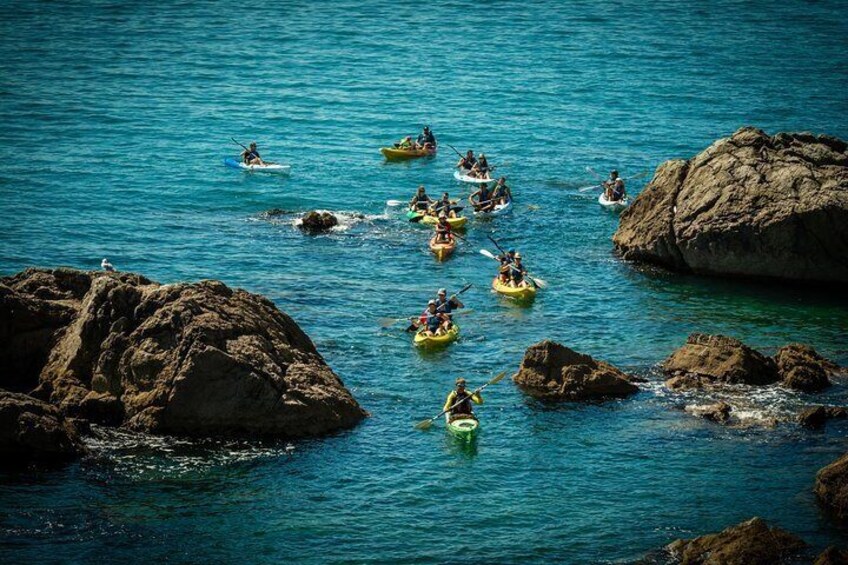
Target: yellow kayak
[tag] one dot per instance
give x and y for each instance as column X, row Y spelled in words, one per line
column 523, row 293
column 395, row 154
column 442, row 250
column 449, row 336
column 455, row 223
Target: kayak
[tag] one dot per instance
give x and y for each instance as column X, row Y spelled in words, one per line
column 456, row 223
column 442, row 250
column 464, row 427
column 269, row 168
column 426, row 341
column 395, row 154
column 498, row 210
column 613, row 204
column 473, row 180
column 521, row 294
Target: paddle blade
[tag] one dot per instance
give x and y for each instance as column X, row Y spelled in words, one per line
column 585, row 188
column 541, row 283
column 424, row 425
column 487, row 253
column 394, row 203
column 388, row 322
column 498, row 378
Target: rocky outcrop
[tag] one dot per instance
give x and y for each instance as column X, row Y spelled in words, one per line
column 34, row 431
column 707, row 360
column 188, row 359
column 749, row 543
column 832, row 487
column 318, row 222
column 832, row 556
column 750, row 205
column 815, row 417
column 551, row 371
column 718, row 412
column 802, row 368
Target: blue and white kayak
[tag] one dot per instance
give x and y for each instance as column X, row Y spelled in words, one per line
column 499, row 210
column 461, row 177
column 613, row 204
column 268, row 168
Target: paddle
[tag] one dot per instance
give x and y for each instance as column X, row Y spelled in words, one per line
column 392, row 321
column 395, row 202
column 425, row 424
column 541, row 283
column 239, row 144
column 455, row 151
column 261, row 160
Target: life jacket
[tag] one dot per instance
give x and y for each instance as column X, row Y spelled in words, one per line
column 433, row 321
column 468, row 163
column 464, row 406
column 445, row 307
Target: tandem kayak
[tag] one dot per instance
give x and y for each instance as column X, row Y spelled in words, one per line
column 268, row 168
column 461, row 177
column 497, row 211
column 520, row 294
column 431, row 220
column 463, row 427
column 442, row 250
column 425, row 341
column 395, row 154
column 613, row 204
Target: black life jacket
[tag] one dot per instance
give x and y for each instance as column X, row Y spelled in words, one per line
column 464, row 407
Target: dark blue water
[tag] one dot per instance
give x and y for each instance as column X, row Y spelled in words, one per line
column 115, row 119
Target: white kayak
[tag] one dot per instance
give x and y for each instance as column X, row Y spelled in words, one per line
column 472, row 180
column 268, row 168
column 499, row 209
column 613, row 204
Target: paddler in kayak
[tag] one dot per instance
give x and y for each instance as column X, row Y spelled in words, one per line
column 518, row 273
column 431, row 322
column 447, row 305
column 481, row 199
column 501, row 194
column 612, row 186
column 443, row 230
column 426, row 139
column 420, row 202
column 505, row 269
column 405, row 143
column 467, row 163
column 251, row 156
column 463, row 401
column 444, row 205
column 618, row 192
column 481, row 169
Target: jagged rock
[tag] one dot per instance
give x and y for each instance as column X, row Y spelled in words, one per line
column 707, row 360
column 832, row 556
column 832, row 487
column 718, row 412
column 551, row 371
column 317, row 222
column 749, row 205
column 32, row 430
column 749, row 543
column 815, row 417
column 190, row 359
column 801, row 368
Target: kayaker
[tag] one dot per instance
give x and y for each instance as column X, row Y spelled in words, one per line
column 434, row 321
column 251, row 156
column 618, row 192
column 106, row 265
column 443, row 230
column 462, row 399
column 420, row 202
column 517, row 272
column 447, row 305
column 501, row 194
column 405, row 143
column 483, row 201
column 505, row 269
column 609, row 183
column 481, row 169
column 467, row 163
column 444, row 205
column 426, row 139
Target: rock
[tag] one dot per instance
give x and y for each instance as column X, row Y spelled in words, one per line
column 317, row 222
column 832, row 487
column 718, row 412
column 34, row 431
column 832, row 556
column 189, row 359
column 750, row 205
column 749, row 543
column 707, row 360
column 801, row 368
column 815, row 417
column 551, row 371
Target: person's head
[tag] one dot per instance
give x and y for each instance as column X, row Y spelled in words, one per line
column 408, row 138
column 482, row 156
column 431, row 306
column 443, row 293
column 511, row 252
column 460, row 384
column 445, row 196
column 613, row 174
column 253, row 145
column 421, row 189
column 501, row 180
column 518, row 257
column 443, row 218
column 469, row 154
column 426, row 129
column 619, row 182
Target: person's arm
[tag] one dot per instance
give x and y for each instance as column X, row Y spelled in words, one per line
column 477, row 398
column 449, row 402
column 457, row 303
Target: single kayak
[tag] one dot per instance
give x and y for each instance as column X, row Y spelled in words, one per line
column 268, row 168
column 463, row 427
column 497, row 211
column 461, row 177
column 395, row 154
column 520, row 294
column 442, row 250
column 425, row 341
column 613, row 204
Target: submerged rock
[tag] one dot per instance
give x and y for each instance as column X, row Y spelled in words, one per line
column 707, row 360
column 718, row 412
column 749, row 205
column 317, row 222
column 832, row 487
column 551, row 371
column 749, row 543
column 34, row 431
column 190, row 359
column 802, row 368
column 815, row 417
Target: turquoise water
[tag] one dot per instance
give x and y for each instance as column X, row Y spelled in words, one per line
column 116, row 119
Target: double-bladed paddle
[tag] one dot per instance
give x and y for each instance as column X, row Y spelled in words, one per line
column 541, row 283
column 425, row 424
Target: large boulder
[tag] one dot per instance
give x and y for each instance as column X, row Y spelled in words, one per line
column 750, row 205
column 815, row 417
column 551, row 371
column 34, row 431
column 832, row 556
column 189, row 359
column 801, row 368
column 832, row 487
column 317, row 222
column 749, row 543
column 707, row 360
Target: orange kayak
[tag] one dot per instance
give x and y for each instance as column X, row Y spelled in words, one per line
column 442, row 250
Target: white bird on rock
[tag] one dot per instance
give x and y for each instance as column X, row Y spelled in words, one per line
column 106, row 265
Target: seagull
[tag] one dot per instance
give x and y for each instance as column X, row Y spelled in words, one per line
column 106, row 265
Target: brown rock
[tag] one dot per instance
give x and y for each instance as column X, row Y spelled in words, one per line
column 32, row 430
column 832, row 556
column 718, row 412
column 815, row 417
column 749, row 543
column 717, row 359
column 750, row 205
column 551, row 371
column 832, row 487
column 801, row 368
column 317, row 222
